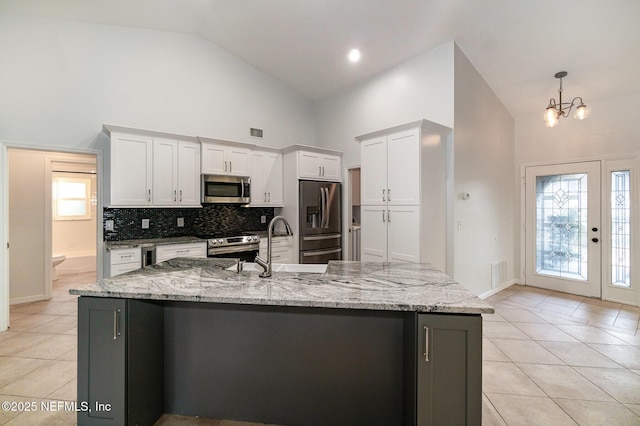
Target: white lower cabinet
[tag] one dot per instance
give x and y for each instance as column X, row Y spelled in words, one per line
column 281, row 249
column 123, row 260
column 171, row 251
column 393, row 233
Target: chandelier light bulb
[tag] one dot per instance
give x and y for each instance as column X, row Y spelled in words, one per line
column 550, row 116
column 582, row 112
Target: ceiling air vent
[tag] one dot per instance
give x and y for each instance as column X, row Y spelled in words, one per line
column 256, row 133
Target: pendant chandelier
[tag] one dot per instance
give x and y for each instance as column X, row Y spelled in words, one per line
column 555, row 110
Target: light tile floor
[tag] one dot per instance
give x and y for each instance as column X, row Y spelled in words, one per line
column 549, row 359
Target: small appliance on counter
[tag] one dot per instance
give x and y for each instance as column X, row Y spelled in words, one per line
column 320, row 221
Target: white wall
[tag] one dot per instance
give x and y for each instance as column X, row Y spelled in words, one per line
column 612, row 129
column 62, row 80
column 483, row 167
column 425, row 87
column 421, row 88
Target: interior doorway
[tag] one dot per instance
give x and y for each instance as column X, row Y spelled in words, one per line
column 38, row 208
column 353, row 213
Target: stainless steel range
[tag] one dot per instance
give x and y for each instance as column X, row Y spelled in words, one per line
column 245, row 247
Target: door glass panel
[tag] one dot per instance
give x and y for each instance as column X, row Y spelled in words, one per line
column 561, row 226
column 620, row 229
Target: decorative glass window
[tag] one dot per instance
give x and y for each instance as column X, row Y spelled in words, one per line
column 620, row 228
column 561, row 226
column 71, row 198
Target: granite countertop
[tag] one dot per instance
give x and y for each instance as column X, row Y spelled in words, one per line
column 150, row 242
column 346, row 285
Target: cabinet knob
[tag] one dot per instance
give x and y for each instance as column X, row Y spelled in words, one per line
column 595, row 240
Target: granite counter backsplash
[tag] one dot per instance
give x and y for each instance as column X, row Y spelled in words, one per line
column 224, row 219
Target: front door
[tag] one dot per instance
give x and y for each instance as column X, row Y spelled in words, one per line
column 562, row 208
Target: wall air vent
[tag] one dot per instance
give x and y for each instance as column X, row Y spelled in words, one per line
column 256, row 133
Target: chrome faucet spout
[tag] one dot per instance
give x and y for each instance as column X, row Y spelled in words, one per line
column 266, row 264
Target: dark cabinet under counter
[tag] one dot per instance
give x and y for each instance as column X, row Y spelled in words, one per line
column 120, row 361
column 278, row 365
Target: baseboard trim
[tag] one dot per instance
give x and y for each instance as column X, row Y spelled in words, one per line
column 498, row 289
column 27, row 299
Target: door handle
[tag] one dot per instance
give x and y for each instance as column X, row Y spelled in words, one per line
column 230, row 167
column 383, row 198
column 225, row 166
column 426, row 344
column 388, row 194
column 383, row 216
column 388, row 216
column 181, row 195
column 116, row 324
column 174, row 196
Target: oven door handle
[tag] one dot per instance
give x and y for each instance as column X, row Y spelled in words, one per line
column 236, row 249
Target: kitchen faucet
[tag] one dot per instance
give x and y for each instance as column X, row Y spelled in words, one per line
column 266, row 264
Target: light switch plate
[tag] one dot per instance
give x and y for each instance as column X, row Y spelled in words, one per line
column 145, row 223
column 108, row 225
column 180, row 222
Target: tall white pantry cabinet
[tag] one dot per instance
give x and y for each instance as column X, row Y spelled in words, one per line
column 403, row 196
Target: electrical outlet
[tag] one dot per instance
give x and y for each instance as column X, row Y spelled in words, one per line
column 263, row 219
column 145, row 223
column 108, row 225
column 180, row 222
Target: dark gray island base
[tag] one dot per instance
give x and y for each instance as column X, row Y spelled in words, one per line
column 272, row 363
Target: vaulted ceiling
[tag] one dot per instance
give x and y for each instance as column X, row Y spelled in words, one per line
column 517, row 46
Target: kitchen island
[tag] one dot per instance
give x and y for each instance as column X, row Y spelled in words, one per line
column 363, row 343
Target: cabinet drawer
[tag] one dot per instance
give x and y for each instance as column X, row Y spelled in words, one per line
column 120, row 256
column 122, row 268
column 276, row 242
column 170, row 251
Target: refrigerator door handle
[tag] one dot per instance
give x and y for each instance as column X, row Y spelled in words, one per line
column 327, row 207
column 321, row 208
column 323, row 197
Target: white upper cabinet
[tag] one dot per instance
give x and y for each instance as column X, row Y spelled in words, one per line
column 318, row 166
column 373, row 171
column 176, row 173
column 189, row 173
column 266, row 179
column 131, row 170
column 152, row 170
column 391, row 169
column 165, row 172
column 219, row 158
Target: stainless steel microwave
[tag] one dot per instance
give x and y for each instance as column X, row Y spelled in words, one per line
column 226, row 189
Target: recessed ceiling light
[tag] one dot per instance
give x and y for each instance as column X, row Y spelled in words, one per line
column 354, row 55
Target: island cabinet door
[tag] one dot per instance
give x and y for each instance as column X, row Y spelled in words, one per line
column 120, row 361
column 449, row 353
column 101, row 361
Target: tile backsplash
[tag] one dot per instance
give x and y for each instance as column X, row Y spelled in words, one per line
column 222, row 219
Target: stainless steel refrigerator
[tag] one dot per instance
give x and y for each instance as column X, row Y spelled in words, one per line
column 320, row 221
